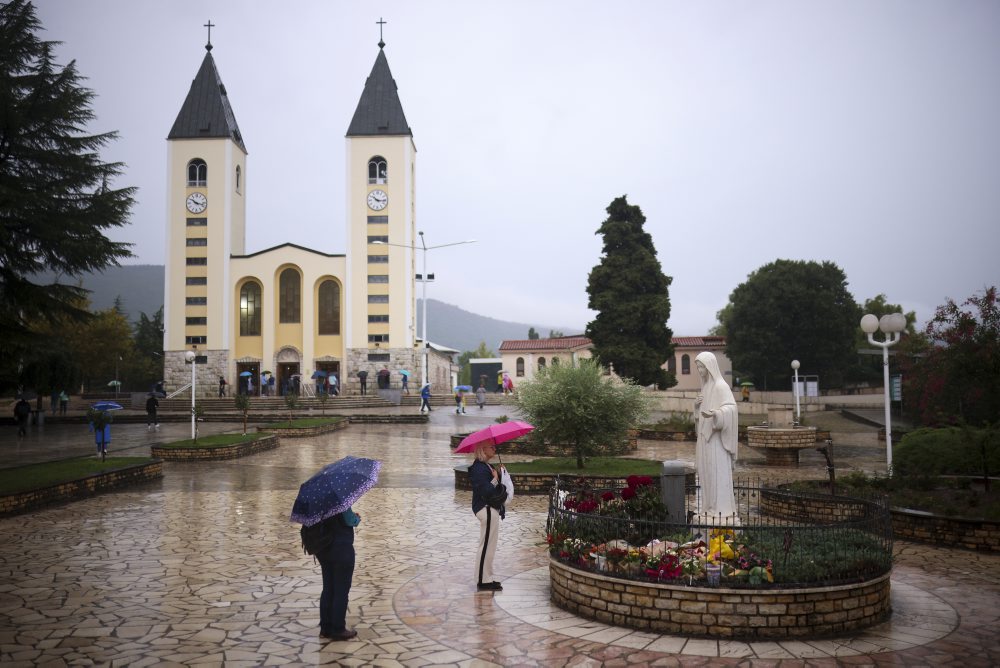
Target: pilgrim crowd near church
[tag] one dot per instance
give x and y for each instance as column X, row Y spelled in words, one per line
column 289, row 310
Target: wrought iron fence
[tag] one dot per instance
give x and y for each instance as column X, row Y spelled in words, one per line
column 778, row 537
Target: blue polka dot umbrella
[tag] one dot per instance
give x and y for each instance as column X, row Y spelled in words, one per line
column 334, row 489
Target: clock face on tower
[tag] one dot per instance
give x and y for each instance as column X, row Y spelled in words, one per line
column 196, row 202
column 377, row 200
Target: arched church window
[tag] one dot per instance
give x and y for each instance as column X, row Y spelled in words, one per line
column 250, row 307
column 541, row 363
column 377, row 170
column 289, row 297
column 520, row 367
column 197, row 173
column 685, row 365
column 329, row 308
column 239, row 175
column 555, row 361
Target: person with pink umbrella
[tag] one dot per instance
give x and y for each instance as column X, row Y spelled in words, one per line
column 492, row 489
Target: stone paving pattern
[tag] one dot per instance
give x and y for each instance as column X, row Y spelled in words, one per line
column 203, row 568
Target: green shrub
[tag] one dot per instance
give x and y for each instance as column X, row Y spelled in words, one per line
column 673, row 422
column 947, row 451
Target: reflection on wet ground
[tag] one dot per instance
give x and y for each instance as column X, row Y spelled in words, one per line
column 204, row 567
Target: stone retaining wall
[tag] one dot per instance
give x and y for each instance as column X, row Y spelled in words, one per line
column 234, row 451
column 980, row 535
column 301, row 432
column 13, row 504
column 720, row 612
column 907, row 524
column 776, row 503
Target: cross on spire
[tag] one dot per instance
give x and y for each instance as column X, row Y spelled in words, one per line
column 380, row 23
column 209, row 25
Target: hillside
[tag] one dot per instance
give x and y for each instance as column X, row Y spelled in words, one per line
column 140, row 288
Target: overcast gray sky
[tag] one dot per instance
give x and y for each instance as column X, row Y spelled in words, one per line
column 861, row 132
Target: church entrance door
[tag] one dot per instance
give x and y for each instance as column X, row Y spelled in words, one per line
column 289, row 377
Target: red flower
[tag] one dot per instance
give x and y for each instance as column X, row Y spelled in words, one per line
column 570, row 504
column 628, row 493
column 608, row 496
column 587, row 506
column 642, row 481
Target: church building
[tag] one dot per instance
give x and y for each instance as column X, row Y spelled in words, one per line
column 290, row 310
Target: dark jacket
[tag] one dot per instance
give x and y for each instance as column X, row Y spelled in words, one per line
column 484, row 492
column 22, row 409
column 152, row 404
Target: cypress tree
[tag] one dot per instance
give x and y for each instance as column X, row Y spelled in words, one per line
column 630, row 293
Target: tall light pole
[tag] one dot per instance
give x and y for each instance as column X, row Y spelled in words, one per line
column 891, row 324
column 795, row 369
column 424, row 278
column 190, row 357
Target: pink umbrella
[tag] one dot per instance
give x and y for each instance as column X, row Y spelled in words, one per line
column 495, row 434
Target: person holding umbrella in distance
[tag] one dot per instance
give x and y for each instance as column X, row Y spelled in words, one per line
column 492, row 489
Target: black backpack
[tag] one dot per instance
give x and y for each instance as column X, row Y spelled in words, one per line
column 319, row 536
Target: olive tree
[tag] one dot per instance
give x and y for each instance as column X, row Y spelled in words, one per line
column 580, row 406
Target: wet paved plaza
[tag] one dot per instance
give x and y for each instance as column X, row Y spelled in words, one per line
column 203, row 568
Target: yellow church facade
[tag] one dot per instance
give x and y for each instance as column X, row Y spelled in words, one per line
column 290, row 310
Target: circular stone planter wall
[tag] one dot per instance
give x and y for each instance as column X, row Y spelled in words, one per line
column 719, row 612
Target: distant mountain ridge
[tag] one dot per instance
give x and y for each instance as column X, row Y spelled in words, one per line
column 140, row 287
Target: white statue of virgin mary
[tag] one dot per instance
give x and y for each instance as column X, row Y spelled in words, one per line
column 717, row 423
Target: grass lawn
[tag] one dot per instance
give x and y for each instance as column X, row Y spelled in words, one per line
column 603, row 466
column 37, row 476
column 214, row 441
column 303, row 423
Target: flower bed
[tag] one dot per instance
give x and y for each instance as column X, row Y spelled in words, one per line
column 827, row 569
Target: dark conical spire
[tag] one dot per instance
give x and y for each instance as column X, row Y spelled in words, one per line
column 379, row 111
column 206, row 112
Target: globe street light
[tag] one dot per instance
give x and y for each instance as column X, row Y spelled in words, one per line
column 795, row 368
column 190, row 357
column 424, row 278
column 891, row 324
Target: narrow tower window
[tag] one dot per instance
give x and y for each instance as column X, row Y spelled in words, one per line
column 197, row 173
column 377, row 170
column 239, row 175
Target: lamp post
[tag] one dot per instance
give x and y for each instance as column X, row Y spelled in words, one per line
column 795, row 369
column 891, row 324
column 424, row 278
column 190, row 357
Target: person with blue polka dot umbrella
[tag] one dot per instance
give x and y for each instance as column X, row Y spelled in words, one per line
column 323, row 507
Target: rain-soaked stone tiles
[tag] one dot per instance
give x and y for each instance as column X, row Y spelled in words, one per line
column 204, row 569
